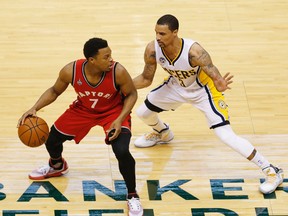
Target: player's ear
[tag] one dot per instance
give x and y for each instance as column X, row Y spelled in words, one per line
column 91, row 59
column 175, row 32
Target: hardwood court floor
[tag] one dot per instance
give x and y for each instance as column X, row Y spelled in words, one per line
column 194, row 175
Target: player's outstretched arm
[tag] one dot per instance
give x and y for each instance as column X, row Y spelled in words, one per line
column 146, row 78
column 198, row 56
column 51, row 94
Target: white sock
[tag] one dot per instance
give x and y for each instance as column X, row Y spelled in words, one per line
column 260, row 161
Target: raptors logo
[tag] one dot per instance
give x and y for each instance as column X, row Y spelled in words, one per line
column 79, row 82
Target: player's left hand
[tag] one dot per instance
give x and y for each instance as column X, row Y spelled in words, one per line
column 223, row 83
column 113, row 132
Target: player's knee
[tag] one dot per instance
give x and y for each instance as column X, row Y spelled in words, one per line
column 143, row 112
column 140, row 111
column 120, row 145
column 124, row 156
column 55, row 137
column 225, row 134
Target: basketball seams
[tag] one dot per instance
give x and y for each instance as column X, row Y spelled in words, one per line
column 42, row 130
column 25, row 130
column 34, row 132
column 39, row 128
column 30, row 137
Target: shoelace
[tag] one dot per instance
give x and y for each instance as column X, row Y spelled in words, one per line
column 153, row 136
column 44, row 169
column 271, row 177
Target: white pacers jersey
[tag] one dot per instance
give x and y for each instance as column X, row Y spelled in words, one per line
column 187, row 84
column 179, row 68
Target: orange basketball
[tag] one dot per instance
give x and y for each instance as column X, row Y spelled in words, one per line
column 33, row 132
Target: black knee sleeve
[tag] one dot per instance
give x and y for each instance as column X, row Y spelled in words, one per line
column 54, row 143
column 120, row 145
column 126, row 161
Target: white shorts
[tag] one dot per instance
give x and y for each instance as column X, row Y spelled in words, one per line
column 170, row 95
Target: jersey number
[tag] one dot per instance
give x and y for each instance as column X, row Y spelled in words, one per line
column 94, row 102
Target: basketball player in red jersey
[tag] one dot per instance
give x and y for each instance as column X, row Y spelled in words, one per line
column 194, row 80
column 106, row 96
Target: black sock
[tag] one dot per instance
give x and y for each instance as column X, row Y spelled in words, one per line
column 130, row 195
column 56, row 163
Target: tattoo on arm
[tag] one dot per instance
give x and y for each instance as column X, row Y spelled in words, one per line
column 205, row 62
column 149, row 68
column 204, row 59
column 150, row 65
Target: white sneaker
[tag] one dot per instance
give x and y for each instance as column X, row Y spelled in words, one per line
column 47, row 171
column 134, row 207
column 274, row 177
column 151, row 139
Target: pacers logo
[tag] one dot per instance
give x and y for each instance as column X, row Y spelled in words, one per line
column 222, row 104
column 162, row 60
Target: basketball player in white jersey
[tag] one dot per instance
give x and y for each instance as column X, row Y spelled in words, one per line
column 195, row 80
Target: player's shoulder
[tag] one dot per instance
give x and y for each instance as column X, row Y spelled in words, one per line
column 67, row 71
column 189, row 42
column 121, row 73
column 68, row 68
column 119, row 68
column 150, row 46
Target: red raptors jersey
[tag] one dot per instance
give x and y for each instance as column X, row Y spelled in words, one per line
column 103, row 98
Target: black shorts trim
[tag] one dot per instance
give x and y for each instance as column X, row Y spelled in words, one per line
column 221, row 124
column 152, row 107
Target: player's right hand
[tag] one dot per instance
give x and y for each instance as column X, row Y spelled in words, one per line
column 31, row 112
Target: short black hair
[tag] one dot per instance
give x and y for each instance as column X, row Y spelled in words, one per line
column 169, row 20
column 92, row 46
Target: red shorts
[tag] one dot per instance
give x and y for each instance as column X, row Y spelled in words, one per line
column 77, row 123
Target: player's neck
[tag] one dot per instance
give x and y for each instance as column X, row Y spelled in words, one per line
column 93, row 75
column 174, row 48
column 92, row 71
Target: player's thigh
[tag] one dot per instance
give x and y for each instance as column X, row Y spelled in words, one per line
column 213, row 106
column 165, row 97
column 75, row 123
